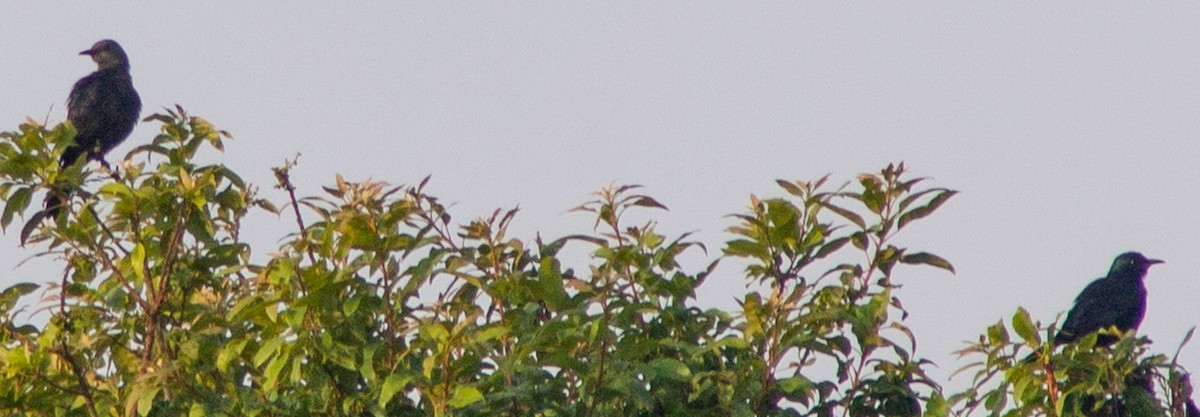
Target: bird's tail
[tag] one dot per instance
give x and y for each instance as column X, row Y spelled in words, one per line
column 54, row 202
column 69, row 156
column 56, row 198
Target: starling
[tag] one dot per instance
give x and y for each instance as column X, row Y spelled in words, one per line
column 103, row 107
column 1118, row 299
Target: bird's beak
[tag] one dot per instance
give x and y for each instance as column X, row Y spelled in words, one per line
column 1155, row 261
column 88, row 52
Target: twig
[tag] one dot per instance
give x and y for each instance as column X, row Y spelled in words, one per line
column 285, row 182
column 85, row 389
column 108, row 232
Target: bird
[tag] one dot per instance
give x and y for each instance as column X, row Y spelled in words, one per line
column 104, row 107
column 1118, row 299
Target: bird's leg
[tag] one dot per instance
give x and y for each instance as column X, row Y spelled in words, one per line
column 112, row 172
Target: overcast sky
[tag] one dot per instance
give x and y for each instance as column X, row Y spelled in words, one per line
column 1070, row 128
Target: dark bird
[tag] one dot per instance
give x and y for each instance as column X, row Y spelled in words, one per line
column 1118, row 299
column 103, row 107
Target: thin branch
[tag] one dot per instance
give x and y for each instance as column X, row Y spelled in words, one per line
column 104, row 259
column 81, row 379
column 106, row 230
column 283, row 176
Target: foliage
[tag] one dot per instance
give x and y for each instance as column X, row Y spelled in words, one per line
column 805, row 319
column 379, row 304
column 1026, row 376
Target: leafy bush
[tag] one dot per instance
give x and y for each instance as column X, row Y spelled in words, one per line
column 379, row 304
column 1026, row 377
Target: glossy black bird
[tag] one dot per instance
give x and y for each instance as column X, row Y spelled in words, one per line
column 103, row 107
column 1118, row 299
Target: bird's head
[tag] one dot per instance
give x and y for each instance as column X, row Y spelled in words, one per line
column 1131, row 264
column 107, row 54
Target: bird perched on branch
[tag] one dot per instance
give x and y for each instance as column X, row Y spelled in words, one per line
column 103, row 107
column 1118, row 299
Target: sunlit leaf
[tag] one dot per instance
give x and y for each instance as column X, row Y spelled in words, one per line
column 465, row 395
column 393, row 384
column 671, row 369
column 1025, row 328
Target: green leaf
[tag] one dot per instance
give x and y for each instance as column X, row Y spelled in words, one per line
column 367, row 367
column 17, row 202
column 873, row 195
column 549, row 285
column 745, row 248
column 847, row 214
column 31, row 225
column 392, row 385
column 927, row 209
column 272, row 373
column 796, row 386
column 812, row 238
column 1025, row 328
column 116, row 189
column 648, row 202
column 137, row 260
column 145, row 398
column 10, row 295
column 465, row 395
column 351, row 305
column 671, row 369
column 831, row 246
column 228, row 353
column 791, row 188
column 159, row 117
column 997, row 333
column 927, row 259
column 783, row 215
column 267, row 350
column 1060, row 404
column 491, row 333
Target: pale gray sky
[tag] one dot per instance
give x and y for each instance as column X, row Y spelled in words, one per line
column 1070, row 128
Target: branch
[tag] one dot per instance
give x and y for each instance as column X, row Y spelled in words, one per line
column 282, row 175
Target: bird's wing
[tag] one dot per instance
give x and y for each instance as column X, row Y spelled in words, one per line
column 81, row 105
column 1091, row 311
